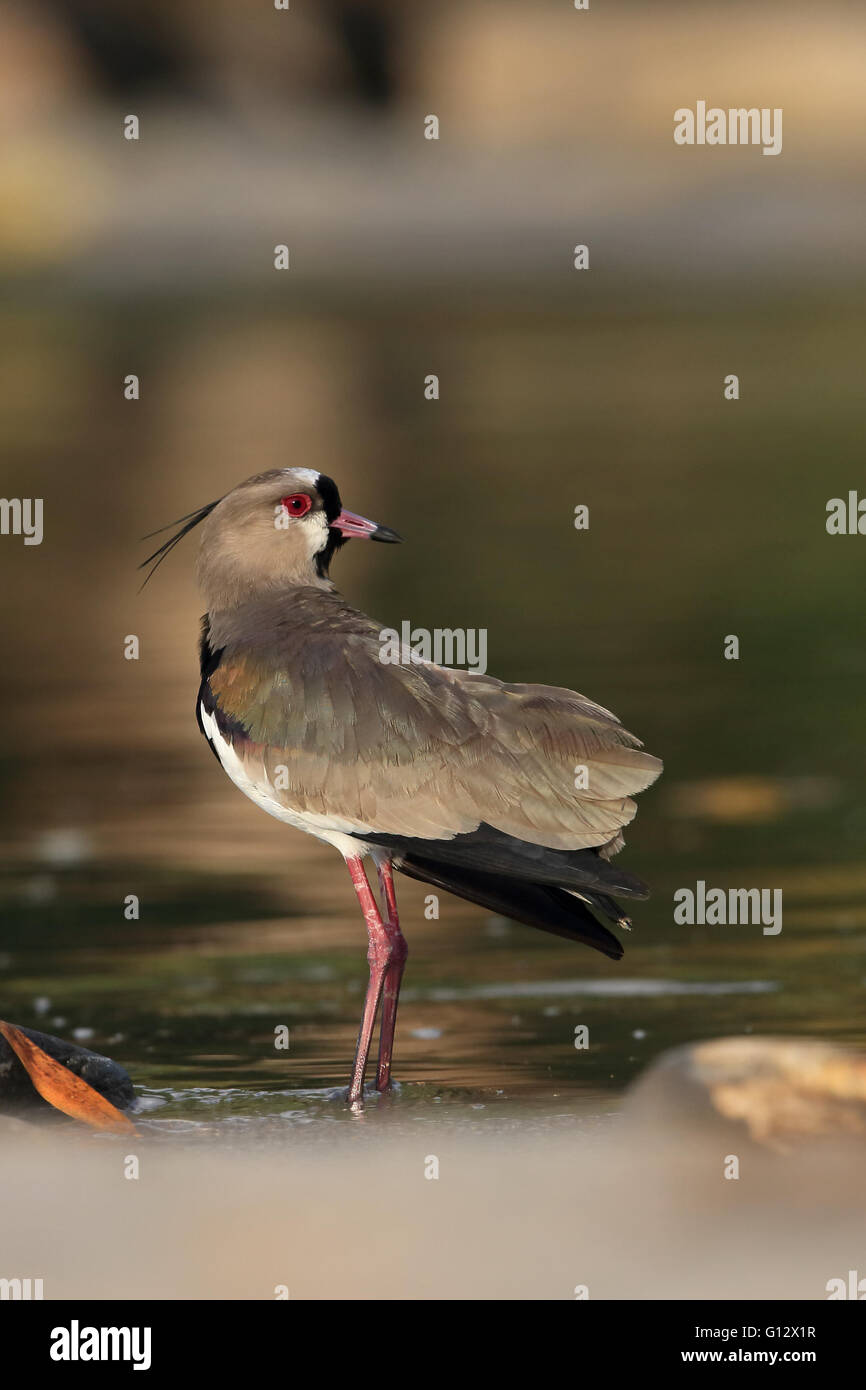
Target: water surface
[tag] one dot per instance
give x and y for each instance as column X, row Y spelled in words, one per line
column 707, row 519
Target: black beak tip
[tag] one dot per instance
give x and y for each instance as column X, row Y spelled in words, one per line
column 385, row 534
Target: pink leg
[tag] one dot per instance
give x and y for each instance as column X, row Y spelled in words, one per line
column 393, row 975
column 379, row 955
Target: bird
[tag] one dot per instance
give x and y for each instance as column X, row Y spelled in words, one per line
column 445, row 775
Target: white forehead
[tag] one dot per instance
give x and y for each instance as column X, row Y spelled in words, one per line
column 306, row 475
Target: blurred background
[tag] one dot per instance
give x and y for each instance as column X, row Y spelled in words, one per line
column 410, row 257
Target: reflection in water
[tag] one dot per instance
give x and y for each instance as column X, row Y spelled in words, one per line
column 698, row 529
column 149, row 911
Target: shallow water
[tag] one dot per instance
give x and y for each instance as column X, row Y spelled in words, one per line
column 705, row 520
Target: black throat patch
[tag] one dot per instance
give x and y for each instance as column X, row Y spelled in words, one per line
column 333, row 506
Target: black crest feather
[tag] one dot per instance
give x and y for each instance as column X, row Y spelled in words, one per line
column 186, row 524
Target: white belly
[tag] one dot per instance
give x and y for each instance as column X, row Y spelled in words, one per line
column 258, row 788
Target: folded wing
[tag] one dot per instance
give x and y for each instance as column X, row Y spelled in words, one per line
column 418, row 750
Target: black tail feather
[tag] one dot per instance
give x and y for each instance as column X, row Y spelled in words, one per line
column 497, row 855
column 541, row 905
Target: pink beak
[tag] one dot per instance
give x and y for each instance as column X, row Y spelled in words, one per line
column 351, row 525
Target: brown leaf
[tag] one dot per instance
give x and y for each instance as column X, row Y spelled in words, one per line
column 62, row 1088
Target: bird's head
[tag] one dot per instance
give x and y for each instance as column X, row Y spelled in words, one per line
column 277, row 528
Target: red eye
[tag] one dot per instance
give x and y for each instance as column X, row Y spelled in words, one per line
column 298, row 504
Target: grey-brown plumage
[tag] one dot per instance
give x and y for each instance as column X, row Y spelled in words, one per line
column 460, row 780
column 414, row 750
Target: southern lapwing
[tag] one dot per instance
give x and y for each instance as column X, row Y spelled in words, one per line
column 511, row 796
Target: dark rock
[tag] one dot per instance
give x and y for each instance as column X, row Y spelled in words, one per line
column 18, row 1094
